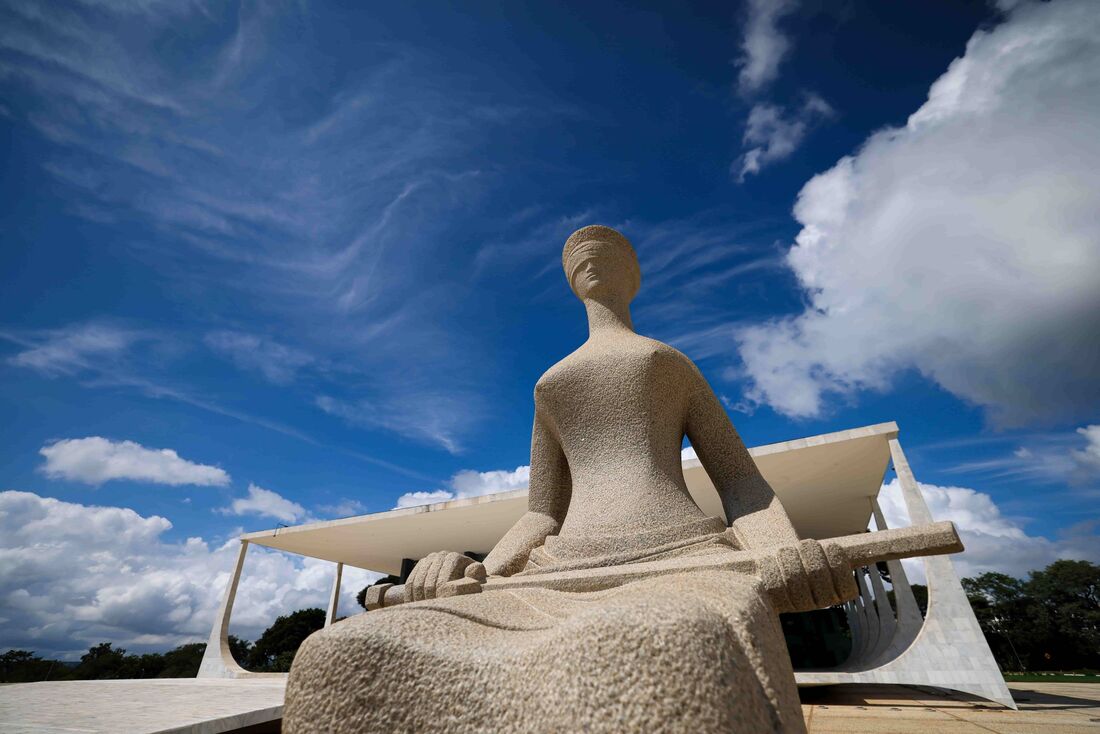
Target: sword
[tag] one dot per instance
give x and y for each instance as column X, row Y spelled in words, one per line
column 861, row 549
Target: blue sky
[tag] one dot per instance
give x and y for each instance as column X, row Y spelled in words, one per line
column 314, row 250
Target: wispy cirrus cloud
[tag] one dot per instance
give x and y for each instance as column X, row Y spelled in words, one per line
column 428, row 417
column 276, row 362
column 73, row 349
column 104, row 356
column 317, row 215
column 1072, row 458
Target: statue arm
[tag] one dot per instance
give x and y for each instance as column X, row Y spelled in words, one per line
column 752, row 508
column 547, row 503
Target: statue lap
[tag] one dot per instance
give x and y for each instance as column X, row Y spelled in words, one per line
column 698, row 651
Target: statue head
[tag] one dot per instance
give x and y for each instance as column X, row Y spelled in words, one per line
column 600, row 264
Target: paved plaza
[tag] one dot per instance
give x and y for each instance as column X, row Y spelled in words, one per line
column 1044, row 708
column 197, row 706
column 177, row 705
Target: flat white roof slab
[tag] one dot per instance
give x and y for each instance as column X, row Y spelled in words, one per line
column 177, row 705
column 825, row 483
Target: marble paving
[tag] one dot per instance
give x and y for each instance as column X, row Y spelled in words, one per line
column 177, row 705
column 1044, row 708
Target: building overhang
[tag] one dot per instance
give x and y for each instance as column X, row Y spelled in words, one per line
column 825, row 482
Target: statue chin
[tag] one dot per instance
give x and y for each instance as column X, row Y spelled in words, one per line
column 691, row 650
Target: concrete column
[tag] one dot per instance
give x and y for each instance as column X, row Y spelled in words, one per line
column 851, row 618
column 885, row 612
column 948, row 649
column 909, row 618
column 870, row 616
column 859, row 634
column 334, row 598
column 919, row 514
column 861, row 630
column 217, row 661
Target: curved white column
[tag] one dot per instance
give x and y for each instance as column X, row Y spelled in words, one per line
column 334, row 597
column 949, row 650
column 217, row 661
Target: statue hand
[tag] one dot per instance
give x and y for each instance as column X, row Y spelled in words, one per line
column 809, row 576
column 433, row 574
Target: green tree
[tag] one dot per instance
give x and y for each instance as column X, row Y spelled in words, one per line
column 1049, row 622
column 1066, row 604
column 241, row 649
column 1000, row 604
column 102, row 661
column 275, row 649
column 23, row 666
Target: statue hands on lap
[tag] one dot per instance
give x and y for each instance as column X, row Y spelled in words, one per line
column 606, row 484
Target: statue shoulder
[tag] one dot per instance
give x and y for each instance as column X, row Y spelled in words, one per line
column 673, row 356
column 555, row 371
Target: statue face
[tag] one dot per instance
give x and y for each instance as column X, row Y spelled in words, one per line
column 600, row 270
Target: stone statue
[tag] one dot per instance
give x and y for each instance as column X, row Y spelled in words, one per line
column 695, row 648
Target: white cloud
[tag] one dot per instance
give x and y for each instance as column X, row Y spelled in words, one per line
column 343, row 508
column 74, row 575
column 265, row 503
column 1053, row 458
column 763, row 46
column 413, row 499
column 993, row 541
column 963, row 244
column 772, row 135
column 469, row 483
column 1088, row 458
column 276, row 362
column 94, row 460
column 73, row 349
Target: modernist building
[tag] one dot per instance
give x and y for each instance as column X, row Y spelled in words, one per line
column 829, row 485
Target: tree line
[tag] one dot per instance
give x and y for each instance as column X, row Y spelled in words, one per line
column 1049, row 621
column 272, row 652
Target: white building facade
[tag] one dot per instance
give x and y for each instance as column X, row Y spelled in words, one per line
column 829, row 485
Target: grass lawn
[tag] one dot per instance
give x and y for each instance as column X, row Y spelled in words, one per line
column 1052, row 678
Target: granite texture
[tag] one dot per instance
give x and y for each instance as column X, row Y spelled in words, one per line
column 693, row 650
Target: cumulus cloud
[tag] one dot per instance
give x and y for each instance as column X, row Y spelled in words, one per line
column 265, row 503
column 74, row 575
column 764, row 45
column 964, row 244
column 414, row 499
column 993, row 541
column 772, row 134
column 276, row 362
column 95, row 460
column 1088, row 458
column 469, row 483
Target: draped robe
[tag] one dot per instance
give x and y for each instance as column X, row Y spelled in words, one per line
column 697, row 651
